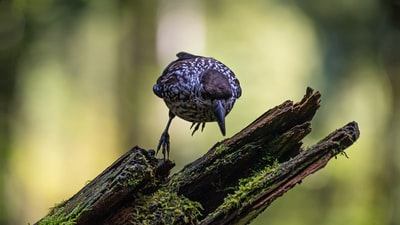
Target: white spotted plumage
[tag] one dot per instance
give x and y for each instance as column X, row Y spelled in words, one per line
column 197, row 89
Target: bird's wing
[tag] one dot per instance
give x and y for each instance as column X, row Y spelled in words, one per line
column 165, row 85
column 238, row 89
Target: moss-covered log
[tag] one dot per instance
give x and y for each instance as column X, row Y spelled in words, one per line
column 231, row 184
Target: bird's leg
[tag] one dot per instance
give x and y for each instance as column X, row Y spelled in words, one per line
column 164, row 140
column 197, row 127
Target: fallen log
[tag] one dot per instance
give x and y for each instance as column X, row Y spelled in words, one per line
column 232, row 183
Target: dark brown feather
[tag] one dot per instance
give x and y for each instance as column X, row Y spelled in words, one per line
column 216, row 85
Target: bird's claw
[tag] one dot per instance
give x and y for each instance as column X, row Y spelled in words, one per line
column 164, row 144
column 197, row 126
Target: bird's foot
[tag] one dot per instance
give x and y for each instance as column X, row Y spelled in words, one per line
column 197, row 127
column 164, row 144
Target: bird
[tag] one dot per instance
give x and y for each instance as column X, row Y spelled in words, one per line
column 197, row 89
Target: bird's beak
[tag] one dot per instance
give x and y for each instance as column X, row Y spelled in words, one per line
column 219, row 113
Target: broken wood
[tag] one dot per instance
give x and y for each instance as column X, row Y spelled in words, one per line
column 232, row 183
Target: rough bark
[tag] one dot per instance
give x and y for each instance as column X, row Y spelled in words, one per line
column 231, row 184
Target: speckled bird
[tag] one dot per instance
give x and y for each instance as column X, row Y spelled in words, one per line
column 197, row 89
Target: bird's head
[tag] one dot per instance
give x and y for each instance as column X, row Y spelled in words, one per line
column 218, row 90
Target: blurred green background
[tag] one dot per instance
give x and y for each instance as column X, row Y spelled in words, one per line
column 76, row 93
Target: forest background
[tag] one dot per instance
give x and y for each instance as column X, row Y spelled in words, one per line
column 76, row 93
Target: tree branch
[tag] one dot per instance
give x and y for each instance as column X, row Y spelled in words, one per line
column 231, row 184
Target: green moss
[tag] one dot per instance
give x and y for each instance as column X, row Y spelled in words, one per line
column 132, row 182
column 164, row 207
column 221, row 148
column 134, row 174
column 58, row 217
column 246, row 187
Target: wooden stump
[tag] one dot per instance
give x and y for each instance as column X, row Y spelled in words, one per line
column 232, row 183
